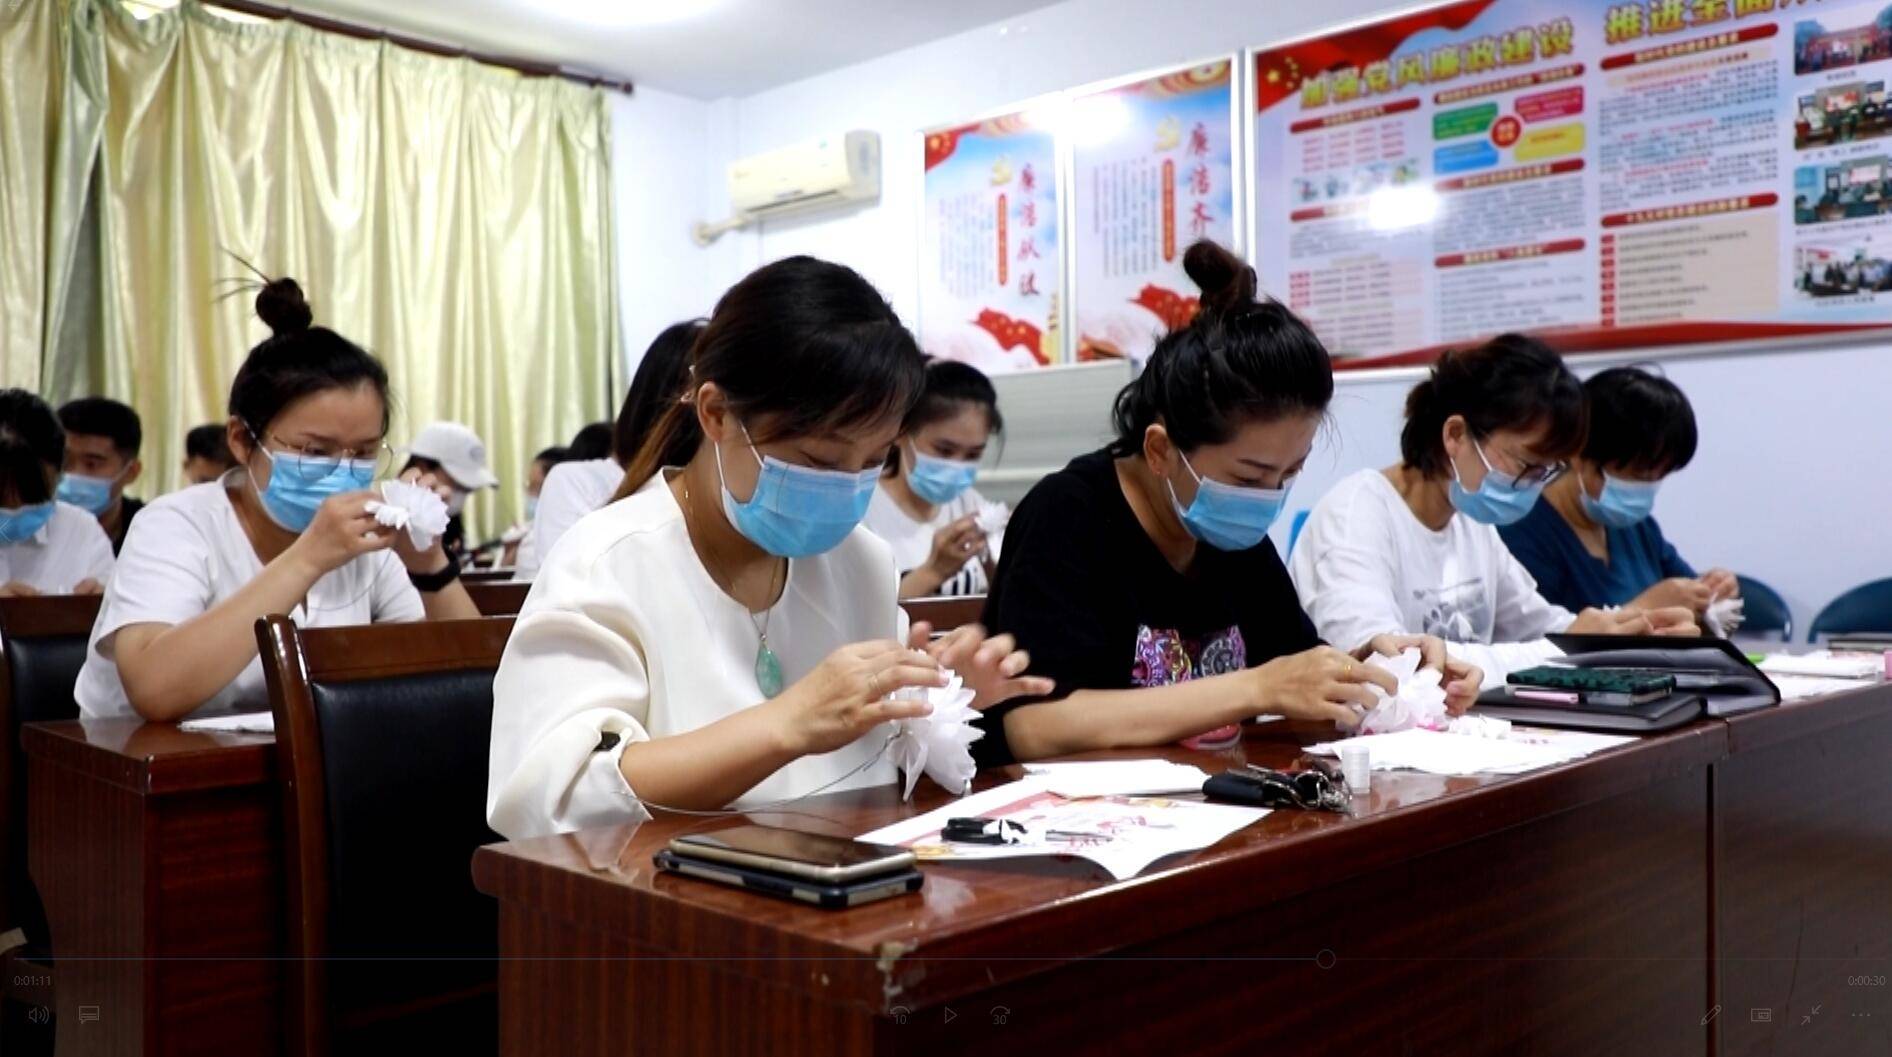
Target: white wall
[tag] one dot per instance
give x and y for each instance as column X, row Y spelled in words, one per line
column 1786, row 486
column 668, row 154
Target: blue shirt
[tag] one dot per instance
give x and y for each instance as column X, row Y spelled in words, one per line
column 1569, row 575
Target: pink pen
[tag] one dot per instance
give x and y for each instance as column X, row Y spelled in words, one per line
column 1555, row 697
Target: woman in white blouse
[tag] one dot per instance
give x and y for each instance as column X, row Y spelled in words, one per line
column 1415, row 547
column 286, row 531
column 46, row 547
column 926, row 508
column 725, row 634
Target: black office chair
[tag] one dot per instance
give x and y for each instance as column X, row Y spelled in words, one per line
column 42, row 648
column 1763, row 610
column 382, row 734
column 1867, row 608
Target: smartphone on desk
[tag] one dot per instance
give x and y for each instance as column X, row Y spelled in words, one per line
column 818, row 893
column 793, row 853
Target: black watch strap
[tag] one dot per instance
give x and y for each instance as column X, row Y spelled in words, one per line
column 428, row 583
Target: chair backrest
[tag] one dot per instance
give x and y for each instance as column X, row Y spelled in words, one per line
column 1763, row 610
column 498, row 598
column 382, row 732
column 1867, row 607
column 42, row 648
column 495, row 574
column 945, row 612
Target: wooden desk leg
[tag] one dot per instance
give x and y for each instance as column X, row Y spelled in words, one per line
column 165, row 913
column 1803, row 893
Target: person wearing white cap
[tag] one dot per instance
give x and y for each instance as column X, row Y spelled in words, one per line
column 456, row 456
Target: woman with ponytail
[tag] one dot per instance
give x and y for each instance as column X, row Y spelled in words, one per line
column 1415, row 547
column 726, row 634
column 1140, row 576
column 286, row 531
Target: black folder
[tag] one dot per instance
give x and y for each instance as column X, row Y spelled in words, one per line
column 1712, row 678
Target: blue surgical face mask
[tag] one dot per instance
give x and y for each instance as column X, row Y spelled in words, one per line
column 938, row 480
column 1622, row 503
column 798, row 511
column 1497, row 501
column 92, row 494
column 292, row 497
column 532, row 507
column 1229, row 517
column 21, row 524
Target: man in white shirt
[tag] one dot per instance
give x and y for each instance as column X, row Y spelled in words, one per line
column 47, row 547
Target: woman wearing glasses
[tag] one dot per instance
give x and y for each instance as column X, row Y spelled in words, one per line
column 1415, row 547
column 286, row 531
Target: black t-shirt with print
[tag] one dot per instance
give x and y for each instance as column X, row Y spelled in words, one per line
column 1084, row 589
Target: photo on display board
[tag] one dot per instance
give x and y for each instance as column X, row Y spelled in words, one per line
column 1843, row 38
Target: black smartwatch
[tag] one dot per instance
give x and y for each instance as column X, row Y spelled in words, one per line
column 428, row 583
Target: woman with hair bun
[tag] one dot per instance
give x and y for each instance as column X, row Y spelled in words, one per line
column 1415, row 547
column 1140, row 576
column 286, row 531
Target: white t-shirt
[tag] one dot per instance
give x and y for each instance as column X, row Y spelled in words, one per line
column 625, row 633
column 912, row 539
column 1365, row 565
column 570, row 491
column 68, row 548
column 186, row 553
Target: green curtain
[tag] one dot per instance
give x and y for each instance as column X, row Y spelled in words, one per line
column 51, row 93
column 453, row 218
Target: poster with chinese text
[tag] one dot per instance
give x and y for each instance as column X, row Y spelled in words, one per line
column 1605, row 173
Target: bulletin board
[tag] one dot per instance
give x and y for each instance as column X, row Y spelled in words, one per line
column 991, row 277
column 1153, row 169
column 1608, row 174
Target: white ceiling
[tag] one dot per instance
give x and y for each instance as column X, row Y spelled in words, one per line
column 701, row 48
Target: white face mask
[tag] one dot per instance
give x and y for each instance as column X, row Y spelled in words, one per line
column 456, row 504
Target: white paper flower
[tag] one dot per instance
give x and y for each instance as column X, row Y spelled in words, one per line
column 1724, row 616
column 1420, row 701
column 938, row 743
column 1475, row 726
column 409, row 506
column 993, row 517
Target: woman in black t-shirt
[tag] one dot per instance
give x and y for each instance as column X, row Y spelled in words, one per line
column 1140, row 578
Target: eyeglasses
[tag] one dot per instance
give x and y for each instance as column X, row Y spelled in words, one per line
column 315, row 462
column 1532, row 475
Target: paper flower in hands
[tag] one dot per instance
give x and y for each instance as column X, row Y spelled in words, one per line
column 1724, row 616
column 993, row 517
column 404, row 505
column 1419, row 702
column 939, row 743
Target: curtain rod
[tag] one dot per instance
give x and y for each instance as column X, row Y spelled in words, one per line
column 360, row 32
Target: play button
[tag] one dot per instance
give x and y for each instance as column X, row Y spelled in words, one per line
column 950, row 1015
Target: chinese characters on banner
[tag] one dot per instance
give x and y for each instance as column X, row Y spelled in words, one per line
column 1152, row 171
column 1609, row 173
column 989, row 271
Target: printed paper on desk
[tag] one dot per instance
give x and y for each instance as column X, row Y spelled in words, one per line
column 1437, row 752
column 1825, row 664
column 1801, row 687
column 1132, row 832
column 242, row 723
column 1118, row 777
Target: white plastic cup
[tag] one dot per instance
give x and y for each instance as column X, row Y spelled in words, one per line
column 1356, row 764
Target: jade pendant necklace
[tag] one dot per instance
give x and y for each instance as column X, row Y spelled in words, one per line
column 768, row 668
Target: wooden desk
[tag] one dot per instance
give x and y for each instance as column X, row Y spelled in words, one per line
column 1560, row 912
column 1803, row 877
column 159, row 857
